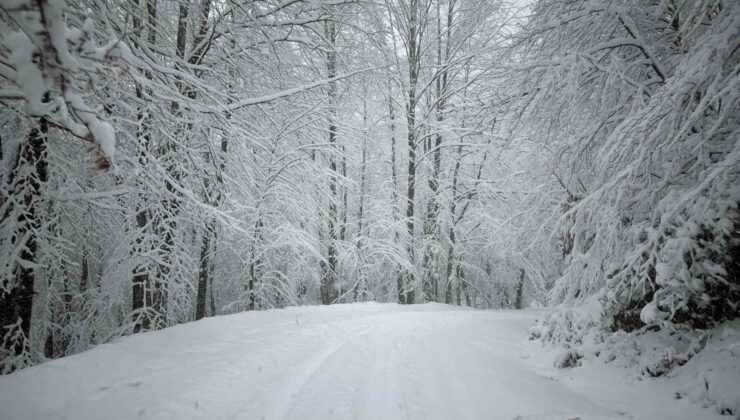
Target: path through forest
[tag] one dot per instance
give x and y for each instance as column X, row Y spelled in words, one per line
column 358, row 361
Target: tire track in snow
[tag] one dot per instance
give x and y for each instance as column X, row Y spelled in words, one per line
column 285, row 398
column 381, row 391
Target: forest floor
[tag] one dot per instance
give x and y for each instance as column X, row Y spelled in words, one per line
column 357, row 361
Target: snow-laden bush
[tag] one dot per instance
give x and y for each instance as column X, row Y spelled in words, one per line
column 568, row 326
column 705, row 365
column 639, row 107
column 639, row 104
column 710, row 378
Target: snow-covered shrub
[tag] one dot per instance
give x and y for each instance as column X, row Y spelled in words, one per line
column 640, row 110
column 640, row 102
column 710, row 378
column 704, row 364
column 567, row 326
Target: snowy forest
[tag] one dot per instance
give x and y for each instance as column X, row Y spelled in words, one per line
column 168, row 160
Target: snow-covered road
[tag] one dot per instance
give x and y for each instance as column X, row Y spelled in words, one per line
column 359, row 361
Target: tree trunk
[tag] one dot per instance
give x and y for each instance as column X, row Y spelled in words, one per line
column 254, row 266
column 16, row 305
column 431, row 220
column 361, row 208
column 451, row 263
column 205, row 250
column 328, row 283
column 518, row 290
column 140, row 282
column 394, row 193
column 413, row 50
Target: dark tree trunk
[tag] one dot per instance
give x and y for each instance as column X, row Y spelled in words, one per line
column 16, row 306
column 203, row 273
column 140, row 282
column 519, row 289
column 199, row 49
column 413, row 51
column 328, row 283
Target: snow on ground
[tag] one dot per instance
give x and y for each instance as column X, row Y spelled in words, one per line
column 358, row 361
